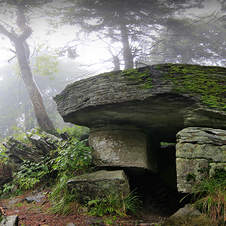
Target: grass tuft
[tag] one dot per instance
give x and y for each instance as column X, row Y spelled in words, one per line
column 209, row 196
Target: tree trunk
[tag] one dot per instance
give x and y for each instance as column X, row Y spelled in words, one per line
column 40, row 112
column 127, row 53
column 22, row 52
column 28, row 117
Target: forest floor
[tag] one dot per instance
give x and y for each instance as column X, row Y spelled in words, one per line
column 36, row 214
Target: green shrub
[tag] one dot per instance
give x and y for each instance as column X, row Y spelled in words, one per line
column 3, row 156
column 72, row 155
column 75, row 131
column 210, row 197
column 114, row 204
column 31, row 173
column 64, row 201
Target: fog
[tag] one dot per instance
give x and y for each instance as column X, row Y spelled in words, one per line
column 74, row 40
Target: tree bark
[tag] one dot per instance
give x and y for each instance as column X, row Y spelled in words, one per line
column 127, row 53
column 28, row 118
column 22, row 53
column 40, row 112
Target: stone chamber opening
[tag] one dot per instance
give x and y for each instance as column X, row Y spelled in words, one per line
column 149, row 164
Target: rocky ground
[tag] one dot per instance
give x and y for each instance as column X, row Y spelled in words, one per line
column 36, row 214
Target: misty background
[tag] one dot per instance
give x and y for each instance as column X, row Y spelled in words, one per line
column 73, row 40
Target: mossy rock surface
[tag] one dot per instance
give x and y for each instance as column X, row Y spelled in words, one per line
column 206, row 82
column 160, row 98
column 98, row 185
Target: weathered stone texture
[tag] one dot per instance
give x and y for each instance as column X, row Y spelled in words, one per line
column 44, row 142
column 123, row 146
column 200, row 152
column 99, row 184
column 189, row 171
column 9, row 220
column 19, row 151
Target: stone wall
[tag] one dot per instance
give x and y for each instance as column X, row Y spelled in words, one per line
column 200, row 152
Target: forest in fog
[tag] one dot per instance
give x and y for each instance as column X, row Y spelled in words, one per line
column 47, row 44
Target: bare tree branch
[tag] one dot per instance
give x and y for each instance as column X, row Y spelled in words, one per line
column 6, row 33
column 11, row 59
column 13, row 51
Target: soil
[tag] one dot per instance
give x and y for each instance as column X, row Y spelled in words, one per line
column 36, row 214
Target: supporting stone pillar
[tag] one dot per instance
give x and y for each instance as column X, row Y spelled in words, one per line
column 122, row 146
column 200, row 153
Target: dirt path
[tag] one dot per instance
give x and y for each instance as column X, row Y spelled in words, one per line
column 35, row 214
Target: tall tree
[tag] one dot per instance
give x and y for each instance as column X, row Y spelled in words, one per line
column 194, row 41
column 124, row 21
column 22, row 51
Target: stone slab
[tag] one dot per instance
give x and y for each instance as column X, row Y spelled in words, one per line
column 198, row 142
column 121, row 146
column 99, row 184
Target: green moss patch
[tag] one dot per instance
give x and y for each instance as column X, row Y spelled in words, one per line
column 208, row 82
column 140, row 75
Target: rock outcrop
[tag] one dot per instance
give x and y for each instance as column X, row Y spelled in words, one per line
column 200, row 153
column 162, row 99
column 131, row 112
column 19, row 151
column 41, row 145
column 44, row 143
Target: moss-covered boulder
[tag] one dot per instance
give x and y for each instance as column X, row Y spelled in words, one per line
column 160, row 98
column 99, row 184
column 44, row 142
column 19, row 151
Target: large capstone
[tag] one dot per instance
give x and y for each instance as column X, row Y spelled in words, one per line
column 162, row 99
column 200, row 153
column 99, row 184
